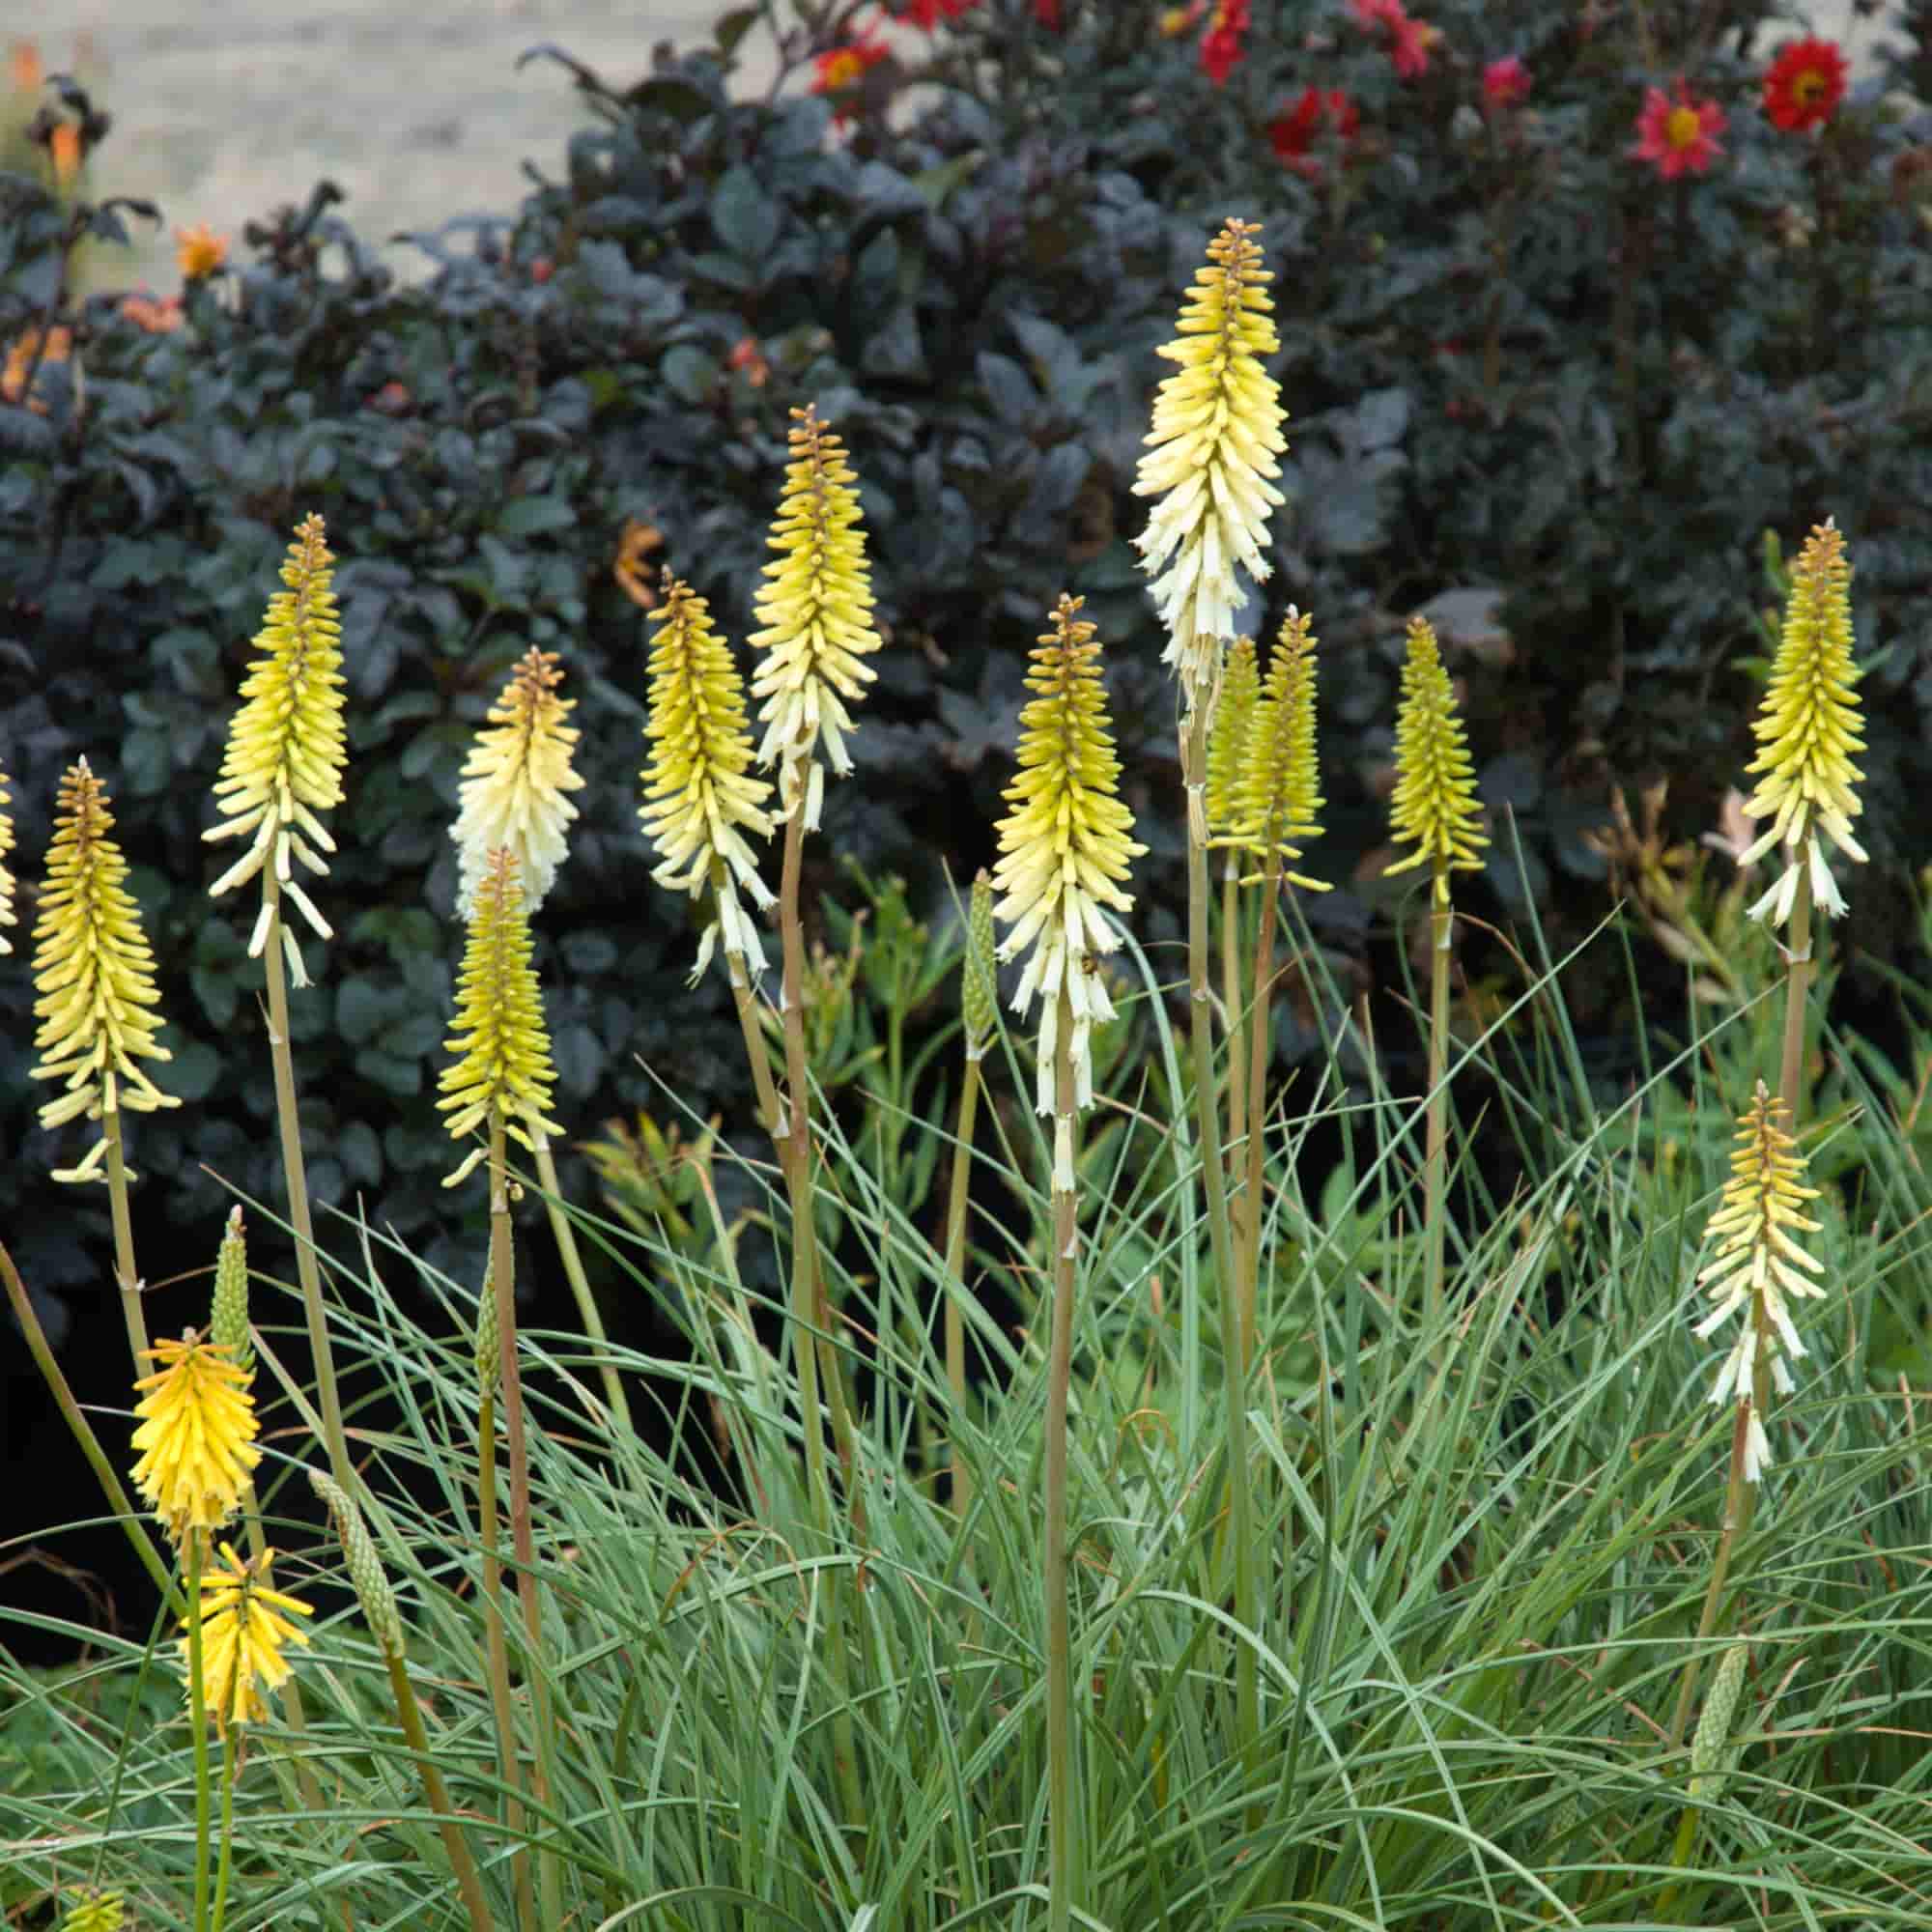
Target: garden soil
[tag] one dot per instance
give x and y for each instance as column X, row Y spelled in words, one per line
column 415, row 108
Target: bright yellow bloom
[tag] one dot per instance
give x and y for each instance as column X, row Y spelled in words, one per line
column 1759, row 1260
column 502, row 1048
column 1064, row 848
column 514, row 783
column 816, row 611
column 196, row 1436
column 199, row 251
column 1807, row 730
column 699, row 800
column 94, row 974
column 1228, row 737
column 7, row 915
column 1277, row 804
column 245, row 1623
column 1435, row 802
column 1217, row 433
column 99, row 1914
column 286, row 751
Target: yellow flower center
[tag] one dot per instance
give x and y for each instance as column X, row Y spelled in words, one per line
column 1684, row 128
column 1808, row 86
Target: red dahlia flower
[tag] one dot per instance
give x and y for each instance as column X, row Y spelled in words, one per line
column 1221, row 45
column 841, row 67
column 1805, row 85
column 1294, row 135
column 1679, row 136
column 1505, row 83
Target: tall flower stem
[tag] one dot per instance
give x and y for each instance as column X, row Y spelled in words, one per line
column 467, row 1883
column 523, row 1539
column 1064, row 1848
column 1249, row 1232
column 498, row 1657
column 227, row 1855
column 579, row 1286
column 294, row 1175
column 811, row 1315
column 961, row 1485
column 127, row 1276
column 1738, row 1497
column 197, row 1711
column 1435, row 1155
column 1207, row 1132
column 1237, row 1018
column 1798, row 972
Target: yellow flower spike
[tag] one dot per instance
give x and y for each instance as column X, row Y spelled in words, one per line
column 245, row 1624
column 1065, row 849
column 1808, row 729
column 105, row 1913
column 94, row 974
column 286, row 750
column 502, row 1048
column 699, row 801
column 817, row 612
column 196, row 1436
column 1434, row 803
column 1277, row 802
column 514, row 783
column 1228, row 736
column 7, row 915
column 1214, row 444
column 1760, row 1261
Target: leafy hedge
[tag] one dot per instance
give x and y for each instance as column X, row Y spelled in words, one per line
column 1535, row 388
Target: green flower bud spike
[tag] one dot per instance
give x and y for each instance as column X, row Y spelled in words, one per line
column 815, row 612
column 365, row 1566
column 105, row 1913
column 489, row 1359
column 94, row 974
column 979, row 991
column 1215, row 442
column 1276, row 804
column 699, row 801
column 1228, row 743
column 228, row 1324
column 514, row 783
column 1066, row 849
column 1760, row 1265
column 1710, row 1754
column 1808, row 729
column 1434, row 806
column 286, row 749
column 502, row 1050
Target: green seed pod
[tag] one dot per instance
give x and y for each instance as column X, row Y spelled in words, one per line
column 978, row 992
column 489, row 1351
column 365, row 1567
column 228, row 1322
column 1710, row 1757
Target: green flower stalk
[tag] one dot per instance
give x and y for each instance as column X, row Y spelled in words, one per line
column 1275, row 805
column 815, row 612
column 1214, row 443
column 515, row 784
column 1065, row 850
column 700, row 802
column 502, row 1069
column 1761, row 1265
column 94, row 975
column 1808, row 729
column 286, row 748
column 1227, row 753
column 1435, row 806
column 6, row 914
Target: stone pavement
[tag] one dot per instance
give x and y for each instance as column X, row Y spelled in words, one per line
column 417, row 110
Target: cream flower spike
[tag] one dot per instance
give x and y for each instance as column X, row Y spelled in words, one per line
column 1808, row 729
column 6, row 914
column 1064, row 851
column 286, row 749
column 514, row 783
column 817, row 612
column 1214, row 447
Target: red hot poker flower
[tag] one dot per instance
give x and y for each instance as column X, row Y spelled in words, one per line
column 1805, row 85
column 1678, row 136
